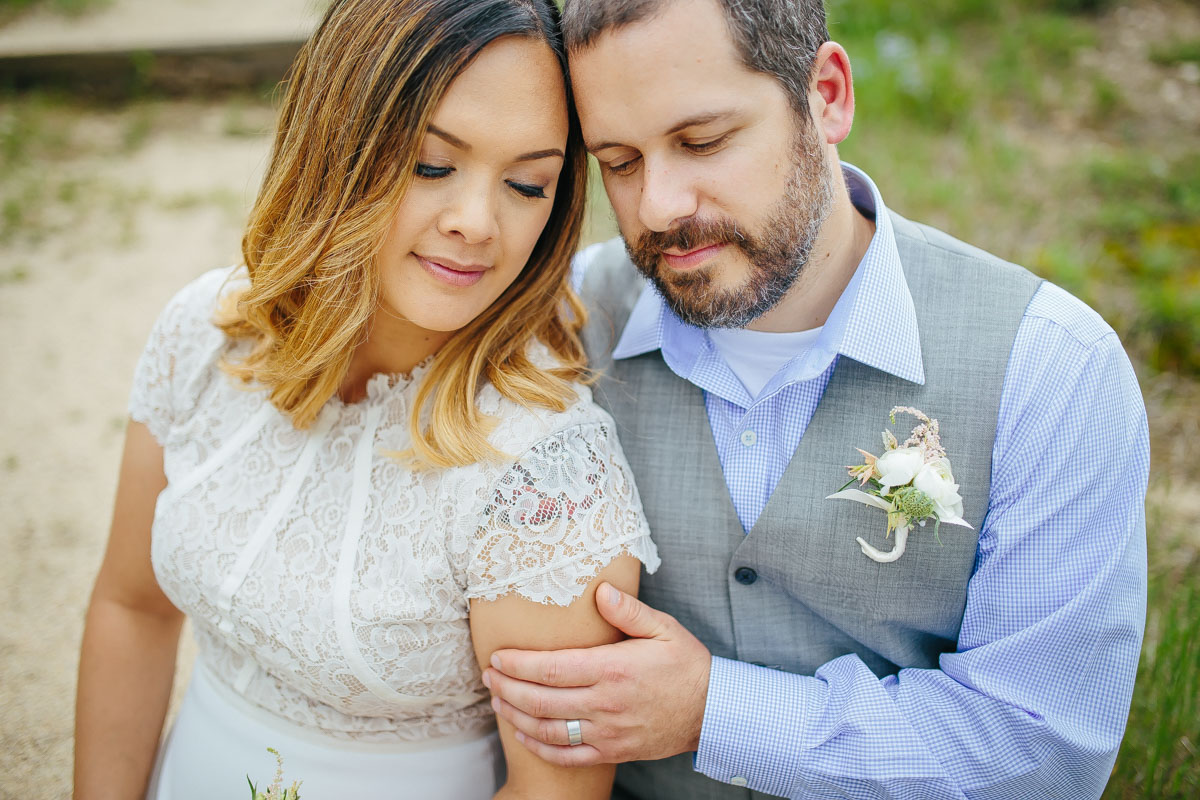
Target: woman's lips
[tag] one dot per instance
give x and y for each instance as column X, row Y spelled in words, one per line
column 452, row 273
column 693, row 258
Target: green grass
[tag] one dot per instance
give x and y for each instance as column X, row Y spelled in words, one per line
column 70, row 7
column 1160, row 756
column 1176, row 52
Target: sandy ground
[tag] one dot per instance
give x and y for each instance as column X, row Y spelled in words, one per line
column 105, row 215
column 148, row 219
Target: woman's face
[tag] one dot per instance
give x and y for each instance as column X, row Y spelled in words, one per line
column 482, row 193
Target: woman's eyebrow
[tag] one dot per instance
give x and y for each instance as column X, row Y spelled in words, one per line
column 553, row 152
column 451, row 139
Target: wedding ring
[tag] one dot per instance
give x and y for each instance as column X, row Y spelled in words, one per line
column 574, row 732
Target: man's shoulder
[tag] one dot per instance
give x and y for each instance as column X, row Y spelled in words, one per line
column 602, row 272
column 919, row 243
column 609, row 286
column 1049, row 304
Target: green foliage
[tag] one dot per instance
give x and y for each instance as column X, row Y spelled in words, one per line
column 1149, row 216
column 70, row 7
column 1159, row 757
column 1073, row 6
column 1176, row 52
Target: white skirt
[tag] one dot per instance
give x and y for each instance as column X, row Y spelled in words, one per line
column 219, row 738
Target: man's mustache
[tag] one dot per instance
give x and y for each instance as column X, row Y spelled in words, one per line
column 688, row 235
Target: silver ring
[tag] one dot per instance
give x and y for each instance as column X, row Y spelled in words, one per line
column 574, row 732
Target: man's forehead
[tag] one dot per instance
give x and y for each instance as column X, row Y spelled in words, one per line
column 659, row 74
column 584, row 21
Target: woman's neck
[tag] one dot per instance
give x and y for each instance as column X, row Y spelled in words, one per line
column 394, row 346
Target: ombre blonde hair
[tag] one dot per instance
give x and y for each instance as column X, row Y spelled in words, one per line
column 359, row 100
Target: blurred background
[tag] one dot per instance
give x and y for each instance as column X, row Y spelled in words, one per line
column 1060, row 134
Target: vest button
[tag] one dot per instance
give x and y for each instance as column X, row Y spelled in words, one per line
column 745, row 575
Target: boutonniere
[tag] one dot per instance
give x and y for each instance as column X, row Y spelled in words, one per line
column 912, row 482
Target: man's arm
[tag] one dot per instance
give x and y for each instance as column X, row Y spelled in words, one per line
column 1036, row 696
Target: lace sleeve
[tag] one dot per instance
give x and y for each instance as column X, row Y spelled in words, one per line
column 180, row 336
column 559, row 514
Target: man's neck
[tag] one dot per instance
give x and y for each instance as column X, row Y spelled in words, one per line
column 835, row 257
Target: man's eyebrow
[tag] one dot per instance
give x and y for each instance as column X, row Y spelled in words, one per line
column 692, row 121
column 700, row 119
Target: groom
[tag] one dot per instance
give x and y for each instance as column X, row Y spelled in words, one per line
column 787, row 311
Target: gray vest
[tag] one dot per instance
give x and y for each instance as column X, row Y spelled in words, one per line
column 815, row 595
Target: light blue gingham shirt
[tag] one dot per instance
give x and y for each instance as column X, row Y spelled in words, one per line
column 1033, row 702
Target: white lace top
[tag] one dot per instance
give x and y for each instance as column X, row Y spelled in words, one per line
column 330, row 585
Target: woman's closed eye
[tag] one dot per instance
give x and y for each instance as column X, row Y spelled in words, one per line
column 430, row 171
column 530, row 190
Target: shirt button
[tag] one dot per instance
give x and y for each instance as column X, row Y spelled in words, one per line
column 738, row 780
column 745, row 575
column 749, row 438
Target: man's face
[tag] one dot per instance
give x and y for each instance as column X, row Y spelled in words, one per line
column 719, row 187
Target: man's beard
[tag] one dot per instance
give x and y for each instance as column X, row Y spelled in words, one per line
column 776, row 254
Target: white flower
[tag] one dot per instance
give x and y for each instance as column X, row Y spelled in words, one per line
column 934, row 494
column 936, row 480
column 898, row 467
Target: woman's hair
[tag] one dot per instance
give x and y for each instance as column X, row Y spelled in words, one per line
column 358, row 103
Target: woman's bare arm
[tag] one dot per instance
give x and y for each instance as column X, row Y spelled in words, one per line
column 127, row 661
column 519, row 623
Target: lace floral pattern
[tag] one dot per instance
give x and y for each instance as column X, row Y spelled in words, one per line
column 557, row 517
column 329, row 584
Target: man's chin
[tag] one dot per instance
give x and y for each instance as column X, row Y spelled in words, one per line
column 706, row 306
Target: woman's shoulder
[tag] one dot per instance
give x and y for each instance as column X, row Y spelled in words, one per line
column 521, row 427
column 181, row 352
column 196, row 304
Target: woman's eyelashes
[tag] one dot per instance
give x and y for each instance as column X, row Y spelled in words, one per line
column 530, row 190
column 430, row 171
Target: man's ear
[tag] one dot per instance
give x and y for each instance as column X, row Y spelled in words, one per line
column 831, row 93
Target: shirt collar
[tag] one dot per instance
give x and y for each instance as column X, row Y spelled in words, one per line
column 874, row 321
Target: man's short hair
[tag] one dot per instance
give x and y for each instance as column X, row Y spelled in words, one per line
column 775, row 37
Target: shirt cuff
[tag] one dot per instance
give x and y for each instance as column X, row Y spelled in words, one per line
column 751, row 734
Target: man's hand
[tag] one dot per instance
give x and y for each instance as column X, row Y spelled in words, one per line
column 642, row 698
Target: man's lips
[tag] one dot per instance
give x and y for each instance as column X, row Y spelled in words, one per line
column 451, row 272
column 693, row 258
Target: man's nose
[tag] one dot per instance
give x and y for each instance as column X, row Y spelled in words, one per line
column 667, row 197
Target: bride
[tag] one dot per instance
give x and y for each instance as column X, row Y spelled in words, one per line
column 364, row 461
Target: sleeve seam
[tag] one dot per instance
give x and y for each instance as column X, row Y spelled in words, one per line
column 614, row 549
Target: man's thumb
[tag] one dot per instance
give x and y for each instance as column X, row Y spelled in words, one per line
column 628, row 614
